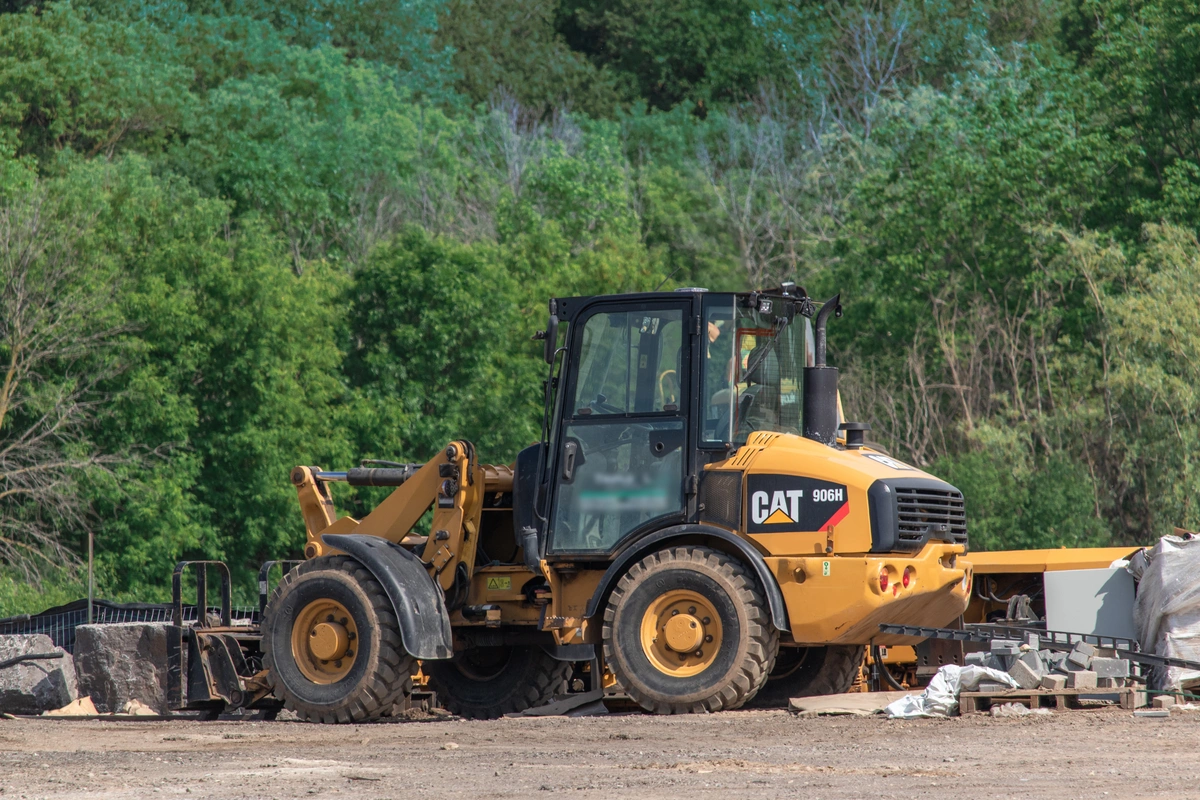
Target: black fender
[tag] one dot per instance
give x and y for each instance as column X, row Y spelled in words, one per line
column 717, row 538
column 418, row 601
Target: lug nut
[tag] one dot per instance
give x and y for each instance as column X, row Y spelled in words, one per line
column 691, row 609
column 706, row 620
column 699, row 654
column 683, row 656
column 343, row 621
column 329, row 617
column 349, row 653
column 351, row 636
column 708, row 638
column 338, row 663
column 675, row 613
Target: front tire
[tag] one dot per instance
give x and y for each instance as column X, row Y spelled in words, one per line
column 331, row 643
column 489, row 682
column 687, row 631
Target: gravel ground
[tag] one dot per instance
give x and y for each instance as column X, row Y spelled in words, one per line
column 761, row 754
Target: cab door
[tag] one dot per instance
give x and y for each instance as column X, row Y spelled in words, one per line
column 622, row 454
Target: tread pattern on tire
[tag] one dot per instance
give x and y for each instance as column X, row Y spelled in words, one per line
column 548, row 678
column 836, row 674
column 764, row 638
column 392, row 677
column 842, row 663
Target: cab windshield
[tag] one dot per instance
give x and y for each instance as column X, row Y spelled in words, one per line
column 753, row 368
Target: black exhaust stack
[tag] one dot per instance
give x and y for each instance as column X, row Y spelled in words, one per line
column 821, row 384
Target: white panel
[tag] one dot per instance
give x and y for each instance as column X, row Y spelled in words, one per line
column 1098, row 601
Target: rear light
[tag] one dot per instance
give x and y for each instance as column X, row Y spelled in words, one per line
column 883, row 579
column 907, row 577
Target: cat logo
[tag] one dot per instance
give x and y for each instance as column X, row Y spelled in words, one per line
column 781, row 502
column 785, row 504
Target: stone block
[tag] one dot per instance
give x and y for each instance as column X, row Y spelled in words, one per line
column 1081, row 679
column 32, row 687
column 1033, row 641
column 1110, row 667
column 976, row 659
column 991, row 687
column 1005, row 647
column 1163, row 701
column 1054, row 682
column 1032, row 660
column 1110, row 683
column 119, row 663
column 1024, row 675
column 1081, row 655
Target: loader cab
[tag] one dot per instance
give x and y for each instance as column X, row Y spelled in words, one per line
column 649, row 389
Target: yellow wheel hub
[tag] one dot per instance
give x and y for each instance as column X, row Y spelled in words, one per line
column 681, row 633
column 324, row 641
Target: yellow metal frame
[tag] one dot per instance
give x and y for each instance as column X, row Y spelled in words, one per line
column 829, row 579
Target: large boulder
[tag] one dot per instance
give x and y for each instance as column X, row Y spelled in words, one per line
column 32, row 687
column 123, row 662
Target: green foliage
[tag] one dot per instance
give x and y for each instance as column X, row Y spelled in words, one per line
column 19, row 596
column 670, row 51
column 308, row 233
column 434, row 352
column 513, row 46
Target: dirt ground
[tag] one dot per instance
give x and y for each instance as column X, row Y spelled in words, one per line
column 761, row 754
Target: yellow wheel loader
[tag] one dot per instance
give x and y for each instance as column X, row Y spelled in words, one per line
column 695, row 525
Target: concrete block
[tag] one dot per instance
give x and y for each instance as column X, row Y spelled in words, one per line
column 991, row 687
column 1110, row 667
column 1081, row 655
column 976, row 659
column 1054, row 682
column 32, row 687
column 1033, row 641
column 1152, row 713
column 1052, row 659
column 1081, row 679
column 1110, row 683
column 1005, row 647
column 119, row 663
column 1163, row 701
column 1024, row 675
column 1032, row 660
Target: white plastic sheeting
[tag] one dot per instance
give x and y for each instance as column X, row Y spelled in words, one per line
column 1166, row 611
column 940, row 698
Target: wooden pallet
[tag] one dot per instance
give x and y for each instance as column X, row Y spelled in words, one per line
column 1129, row 697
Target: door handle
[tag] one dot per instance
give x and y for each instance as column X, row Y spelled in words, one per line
column 570, row 452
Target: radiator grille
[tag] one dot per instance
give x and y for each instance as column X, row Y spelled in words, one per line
column 924, row 514
column 721, row 498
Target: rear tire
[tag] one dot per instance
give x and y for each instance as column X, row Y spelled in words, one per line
column 809, row 671
column 331, row 643
column 489, row 682
column 687, row 630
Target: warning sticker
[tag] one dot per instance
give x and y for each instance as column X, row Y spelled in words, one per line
column 788, row 504
column 499, row 584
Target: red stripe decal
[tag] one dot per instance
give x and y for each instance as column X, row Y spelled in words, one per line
column 837, row 517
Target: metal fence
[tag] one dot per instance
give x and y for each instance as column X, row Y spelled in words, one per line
column 60, row 623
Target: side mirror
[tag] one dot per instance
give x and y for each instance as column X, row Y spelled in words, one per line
column 551, row 341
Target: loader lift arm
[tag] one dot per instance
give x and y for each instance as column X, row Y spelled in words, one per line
column 452, row 482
